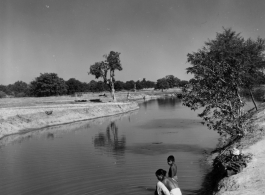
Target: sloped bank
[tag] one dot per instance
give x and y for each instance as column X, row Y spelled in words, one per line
column 20, row 119
column 251, row 180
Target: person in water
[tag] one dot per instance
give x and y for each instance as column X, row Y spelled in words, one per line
column 172, row 172
column 166, row 185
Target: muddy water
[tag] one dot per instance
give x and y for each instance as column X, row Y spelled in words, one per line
column 113, row 156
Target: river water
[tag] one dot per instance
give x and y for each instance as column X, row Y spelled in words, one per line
column 113, row 156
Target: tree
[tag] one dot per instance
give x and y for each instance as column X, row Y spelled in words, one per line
column 5, row 89
column 150, row 84
column 103, row 68
column 162, row 84
column 129, row 85
column 183, row 83
column 171, row 81
column 119, row 85
column 19, row 89
column 74, row 86
column 2, row 94
column 93, row 86
column 101, row 86
column 220, row 69
column 86, row 87
column 48, row 84
column 139, row 85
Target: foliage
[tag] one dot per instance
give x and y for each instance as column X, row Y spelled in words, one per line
column 119, row 85
column 183, row 83
column 101, row 86
column 74, row 86
column 48, row 84
column 139, row 85
column 19, row 89
column 162, row 84
column 233, row 164
column 5, row 89
column 220, row 68
column 258, row 93
column 103, row 68
column 2, row 94
column 129, row 85
column 93, row 86
column 172, row 81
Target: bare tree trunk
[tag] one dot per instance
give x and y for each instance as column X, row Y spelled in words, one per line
column 253, row 99
column 112, row 86
column 113, row 93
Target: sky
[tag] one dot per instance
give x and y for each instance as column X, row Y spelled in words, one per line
column 153, row 36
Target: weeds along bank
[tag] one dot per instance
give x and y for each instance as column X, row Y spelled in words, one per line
column 18, row 119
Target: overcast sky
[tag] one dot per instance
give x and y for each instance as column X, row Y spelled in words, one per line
column 153, row 36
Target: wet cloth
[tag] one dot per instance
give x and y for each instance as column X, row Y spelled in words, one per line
column 175, row 191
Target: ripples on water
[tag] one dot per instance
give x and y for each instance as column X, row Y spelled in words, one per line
column 115, row 155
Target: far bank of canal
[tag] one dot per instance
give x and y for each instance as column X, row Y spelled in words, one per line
column 112, row 155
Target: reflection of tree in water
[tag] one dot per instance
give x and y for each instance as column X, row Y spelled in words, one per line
column 168, row 102
column 145, row 104
column 110, row 140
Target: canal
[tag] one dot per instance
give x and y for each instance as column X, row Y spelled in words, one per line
column 113, row 155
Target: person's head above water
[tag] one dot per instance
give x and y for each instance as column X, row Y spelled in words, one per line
column 170, row 159
column 160, row 174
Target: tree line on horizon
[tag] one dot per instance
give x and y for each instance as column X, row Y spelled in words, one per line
column 50, row 84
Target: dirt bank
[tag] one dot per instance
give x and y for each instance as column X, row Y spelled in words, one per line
column 251, row 181
column 20, row 119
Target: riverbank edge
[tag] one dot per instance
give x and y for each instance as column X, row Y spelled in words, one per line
column 15, row 120
column 251, row 180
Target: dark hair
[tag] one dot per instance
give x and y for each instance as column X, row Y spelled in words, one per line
column 171, row 158
column 161, row 172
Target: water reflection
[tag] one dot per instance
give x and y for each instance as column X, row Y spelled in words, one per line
column 110, row 141
column 148, row 103
column 169, row 103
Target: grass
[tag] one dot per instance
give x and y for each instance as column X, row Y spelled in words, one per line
column 39, row 101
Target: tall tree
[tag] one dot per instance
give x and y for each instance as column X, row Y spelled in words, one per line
column 103, row 68
column 48, row 84
column 220, row 69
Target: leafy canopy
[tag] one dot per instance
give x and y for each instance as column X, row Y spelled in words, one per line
column 48, row 84
column 111, row 63
column 220, row 69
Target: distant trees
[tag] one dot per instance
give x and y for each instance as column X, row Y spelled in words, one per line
column 169, row 81
column 172, row 81
column 119, row 85
column 2, row 94
column 162, row 84
column 221, row 68
column 48, row 84
column 19, row 89
column 129, row 85
column 74, row 86
column 5, row 89
column 109, row 66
